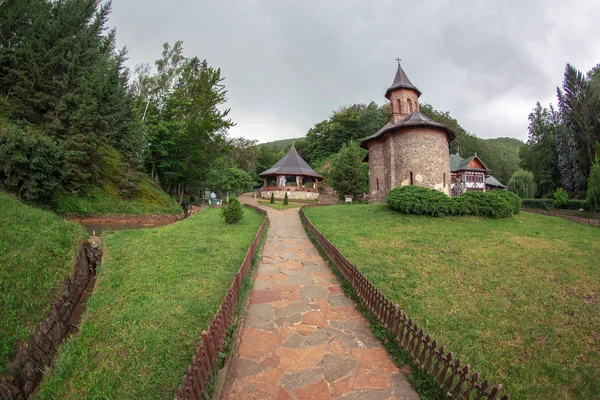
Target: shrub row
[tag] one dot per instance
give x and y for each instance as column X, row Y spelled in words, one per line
column 541, row 204
column 424, row 201
column 548, row 204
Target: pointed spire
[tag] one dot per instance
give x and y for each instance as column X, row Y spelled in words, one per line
column 401, row 81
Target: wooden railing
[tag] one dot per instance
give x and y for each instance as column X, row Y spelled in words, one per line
column 586, row 221
column 456, row 381
column 204, row 362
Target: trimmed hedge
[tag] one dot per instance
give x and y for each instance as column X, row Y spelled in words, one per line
column 420, row 201
column 424, row 201
column 575, row 205
column 542, row 204
column 512, row 198
column 548, row 204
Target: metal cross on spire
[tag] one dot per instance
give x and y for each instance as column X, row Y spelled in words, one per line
column 398, row 59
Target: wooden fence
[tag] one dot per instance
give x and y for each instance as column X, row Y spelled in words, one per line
column 586, row 221
column 204, row 362
column 456, row 380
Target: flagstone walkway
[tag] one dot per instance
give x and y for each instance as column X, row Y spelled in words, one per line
column 302, row 338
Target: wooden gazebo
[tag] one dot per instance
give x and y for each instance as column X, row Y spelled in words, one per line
column 293, row 175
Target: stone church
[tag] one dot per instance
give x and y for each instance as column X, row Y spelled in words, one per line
column 410, row 149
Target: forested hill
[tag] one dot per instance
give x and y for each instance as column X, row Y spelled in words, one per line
column 358, row 121
column 79, row 131
column 279, row 145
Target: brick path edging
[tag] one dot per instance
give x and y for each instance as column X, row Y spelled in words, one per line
column 586, row 221
column 456, row 381
column 204, row 362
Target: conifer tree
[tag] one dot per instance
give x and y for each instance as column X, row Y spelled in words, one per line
column 593, row 184
column 347, row 175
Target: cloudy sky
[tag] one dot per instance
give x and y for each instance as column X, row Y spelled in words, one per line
column 289, row 64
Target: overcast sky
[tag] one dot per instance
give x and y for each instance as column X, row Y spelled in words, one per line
column 289, row 64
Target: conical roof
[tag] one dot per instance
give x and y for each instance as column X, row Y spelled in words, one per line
column 401, row 81
column 416, row 118
column 291, row 164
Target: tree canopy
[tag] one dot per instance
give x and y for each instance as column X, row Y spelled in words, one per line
column 560, row 148
column 71, row 112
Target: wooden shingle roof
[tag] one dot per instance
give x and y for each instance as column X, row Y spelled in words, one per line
column 291, row 164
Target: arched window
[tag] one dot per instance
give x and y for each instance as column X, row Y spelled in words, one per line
column 410, row 109
column 444, row 183
column 399, row 105
column 411, row 178
column 377, row 183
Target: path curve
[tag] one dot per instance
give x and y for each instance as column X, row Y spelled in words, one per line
column 302, row 338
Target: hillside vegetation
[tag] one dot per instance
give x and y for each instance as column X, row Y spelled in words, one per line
column 37, row 253
column 80, row 133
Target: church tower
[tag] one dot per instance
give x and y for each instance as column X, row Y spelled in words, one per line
column 403, row 95
column 410, row 149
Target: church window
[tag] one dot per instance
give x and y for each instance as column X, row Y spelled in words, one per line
column 410, row 106
column 444, row 182
column 377, row 183
column 411, row 178
column 399, row 105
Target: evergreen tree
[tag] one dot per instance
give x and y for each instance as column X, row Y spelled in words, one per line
column 593, row 185
column 285, row 199
column 579, row 105
column 32, row 165
column 347, row 176
column 233, row 213
column 272, row 200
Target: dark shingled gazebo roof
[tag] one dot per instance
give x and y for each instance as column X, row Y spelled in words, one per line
column 401, row 81
column 291, row 164
column 416, row 118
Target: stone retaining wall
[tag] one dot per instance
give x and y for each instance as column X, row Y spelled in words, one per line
column 24, row 372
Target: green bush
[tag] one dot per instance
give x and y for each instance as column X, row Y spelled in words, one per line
column 272, row 201
column 32, row 165
column 423, row 201
column 285, row 199
column 560, row 197
column 540, row 204
column 482, row 204
column 593, row 188
column 233, row 213
column 513, row 199
column 420, row 201
column 575, row 205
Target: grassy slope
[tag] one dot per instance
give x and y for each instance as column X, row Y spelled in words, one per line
column 106, row 200
column 156, row 292
column 518, row 298
column 37, row 252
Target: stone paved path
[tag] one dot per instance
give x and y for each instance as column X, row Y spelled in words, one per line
column 302, row 337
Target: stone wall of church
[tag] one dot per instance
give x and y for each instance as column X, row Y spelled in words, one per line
column 378, row 186
column 422, row 151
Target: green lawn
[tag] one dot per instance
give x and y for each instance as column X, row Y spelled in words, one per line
column 518, row 298
column 278, row 205
column 156, row 291
column 37, row 253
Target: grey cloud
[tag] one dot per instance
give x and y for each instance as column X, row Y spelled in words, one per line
column 289, row 64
